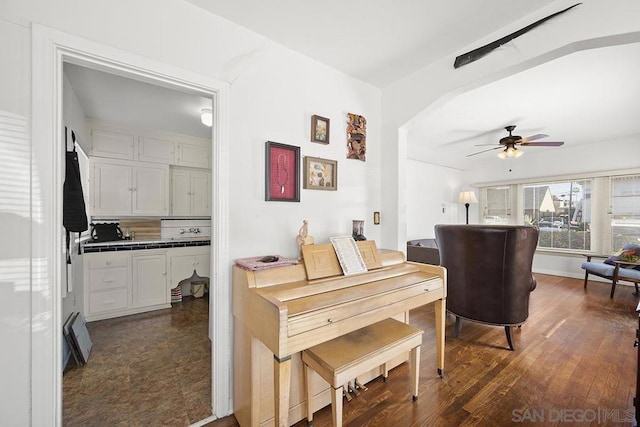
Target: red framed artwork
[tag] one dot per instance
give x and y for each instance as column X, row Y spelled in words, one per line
column 282, row 172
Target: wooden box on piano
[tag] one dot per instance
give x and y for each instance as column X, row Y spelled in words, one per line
column 279, row 312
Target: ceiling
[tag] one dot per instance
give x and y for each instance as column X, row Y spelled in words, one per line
column 569, row 98
column 378, row 42
column 118, row 99
column 581, row 99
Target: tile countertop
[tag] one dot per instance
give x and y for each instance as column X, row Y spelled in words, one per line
column 133, row 245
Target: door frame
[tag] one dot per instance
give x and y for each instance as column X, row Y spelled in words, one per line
column 50, row 49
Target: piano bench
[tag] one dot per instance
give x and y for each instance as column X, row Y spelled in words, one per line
column 344, row 358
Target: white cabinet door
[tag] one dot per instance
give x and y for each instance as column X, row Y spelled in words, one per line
column 192, row 155
column 155, row 150
column 180, row 192
column 200, row 193
column 112, row 144
column 129, row 188
column 111, row 189
column 150, row 280
column 150, row 190
column 190, row 192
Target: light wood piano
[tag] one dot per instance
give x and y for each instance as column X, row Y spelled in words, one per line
column 279, row 312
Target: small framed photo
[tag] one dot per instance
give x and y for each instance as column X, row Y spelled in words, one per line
column 320, row 174
column 319, row 129
column 282, row 172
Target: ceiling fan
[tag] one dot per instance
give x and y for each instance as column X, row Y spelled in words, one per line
column 508, row 144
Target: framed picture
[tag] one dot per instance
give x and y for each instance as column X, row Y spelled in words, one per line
column 282, row 172
column 320, row 174
column 319, row 129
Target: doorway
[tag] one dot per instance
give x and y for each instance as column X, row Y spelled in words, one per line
column 156, row 365
column 51, row 48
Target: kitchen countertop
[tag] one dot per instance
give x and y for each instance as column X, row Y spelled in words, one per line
column 133, row 245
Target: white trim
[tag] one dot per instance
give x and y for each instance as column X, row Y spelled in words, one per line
column 49, row 49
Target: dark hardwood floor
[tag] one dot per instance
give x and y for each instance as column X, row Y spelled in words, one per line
column 574, row 364
column 147, row 369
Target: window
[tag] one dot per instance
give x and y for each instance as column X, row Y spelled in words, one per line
column 625, row 211
column 561, row 211
column 497, row 205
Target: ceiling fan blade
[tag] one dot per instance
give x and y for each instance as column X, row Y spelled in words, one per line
column 534, row 137
column 484, row 151
column 484, row 145
column 543, row 144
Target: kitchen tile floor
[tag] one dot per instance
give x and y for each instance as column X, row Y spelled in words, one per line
column 147, row 369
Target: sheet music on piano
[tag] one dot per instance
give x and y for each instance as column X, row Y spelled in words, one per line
column 349, row 255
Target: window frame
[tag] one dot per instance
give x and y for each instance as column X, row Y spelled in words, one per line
column 600, row 224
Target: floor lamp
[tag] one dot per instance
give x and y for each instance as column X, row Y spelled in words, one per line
column 467, row 197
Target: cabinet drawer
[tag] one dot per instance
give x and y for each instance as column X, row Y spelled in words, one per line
column 414, row 296
column 108, row 261
column 108, row 278
column 107, row 301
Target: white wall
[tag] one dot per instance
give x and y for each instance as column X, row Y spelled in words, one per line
column 273, row 93
column 432, row 193
column 276, row 104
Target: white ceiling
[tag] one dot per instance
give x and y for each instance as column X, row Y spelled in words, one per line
column 118, row 99
column 583, row 98
column 376, row 41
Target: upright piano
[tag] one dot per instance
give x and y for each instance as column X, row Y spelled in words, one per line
column 279, row 312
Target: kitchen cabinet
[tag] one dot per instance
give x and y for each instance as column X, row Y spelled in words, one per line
column 125, row 282
column 155, row 150
column 149, row 284
column 190, row 192
column 193, row 155
column 129, row 188
column 112, row 144
column 183, row 261
column 107, row 278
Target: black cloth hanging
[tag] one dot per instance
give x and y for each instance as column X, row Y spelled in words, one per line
column 74, row 215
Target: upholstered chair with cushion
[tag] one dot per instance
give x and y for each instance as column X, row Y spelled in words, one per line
column 489, row 277
column 621, row 266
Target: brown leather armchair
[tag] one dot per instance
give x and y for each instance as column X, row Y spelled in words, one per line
column 489, row 275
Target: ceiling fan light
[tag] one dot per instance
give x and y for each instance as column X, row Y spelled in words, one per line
column 502, row 154
column 518, row 153
column 510, row 151
column 206, row 116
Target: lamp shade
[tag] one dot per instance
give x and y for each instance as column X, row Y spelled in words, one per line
column 467, row 197
column 206, row 115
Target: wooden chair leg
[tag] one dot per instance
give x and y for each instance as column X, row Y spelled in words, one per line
column 307, row 377
column 586, row 278
column 613, row 288
column 415, row 371
column 336, row 406
column 507, row 330
column 637, row 292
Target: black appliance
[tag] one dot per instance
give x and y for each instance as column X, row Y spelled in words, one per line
column 105, row 232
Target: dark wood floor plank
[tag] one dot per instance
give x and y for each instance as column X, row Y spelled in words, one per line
column 574, row 353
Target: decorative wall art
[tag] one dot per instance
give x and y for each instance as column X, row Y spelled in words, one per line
column 356, row 137
column 282, row 172
column 320, row 174
column 319, row 129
